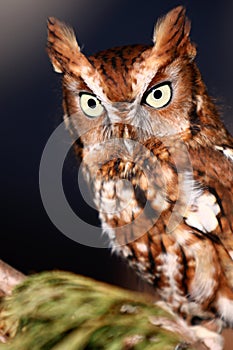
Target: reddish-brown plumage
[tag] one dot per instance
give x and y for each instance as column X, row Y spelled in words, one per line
column 113, row 64
column 146, row 118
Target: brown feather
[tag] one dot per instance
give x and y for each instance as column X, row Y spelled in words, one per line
column 171, row 34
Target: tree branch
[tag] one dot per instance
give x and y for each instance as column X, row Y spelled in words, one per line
column 60, row 310
column 9, row 278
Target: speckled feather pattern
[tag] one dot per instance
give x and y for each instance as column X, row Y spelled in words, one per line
column 190, row 262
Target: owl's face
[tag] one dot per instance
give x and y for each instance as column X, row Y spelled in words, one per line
column 161, row 106
column 155, row 90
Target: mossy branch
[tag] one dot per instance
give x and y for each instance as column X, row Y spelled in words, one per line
column 63, row 311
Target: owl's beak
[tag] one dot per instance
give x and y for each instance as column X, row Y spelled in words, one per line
column 129, row 145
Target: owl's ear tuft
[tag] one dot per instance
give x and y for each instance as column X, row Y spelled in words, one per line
column 61, row 44
column 66, row 57
column 171, row 34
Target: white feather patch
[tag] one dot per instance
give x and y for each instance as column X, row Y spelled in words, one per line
column 225, row 309
column 109, row 231
column 142, row 247
column 230, row 252
column 203, row 212
column 170, row 268
column 227, row 151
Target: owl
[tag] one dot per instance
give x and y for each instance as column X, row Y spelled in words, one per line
column 158, row 161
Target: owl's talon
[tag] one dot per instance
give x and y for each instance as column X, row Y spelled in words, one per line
column 211, row 339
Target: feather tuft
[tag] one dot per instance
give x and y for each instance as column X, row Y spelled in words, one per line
column 61, row 44
column 171, row 33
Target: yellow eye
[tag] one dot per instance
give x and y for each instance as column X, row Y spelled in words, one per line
column 90, row 105
column 159, row 96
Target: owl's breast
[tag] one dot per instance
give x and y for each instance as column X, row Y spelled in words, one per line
column 133, row 184
column 120, row 189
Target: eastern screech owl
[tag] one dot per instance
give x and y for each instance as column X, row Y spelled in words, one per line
column 158, row 159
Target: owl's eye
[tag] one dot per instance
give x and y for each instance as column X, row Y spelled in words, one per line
column 90, row 105
column 159, row 96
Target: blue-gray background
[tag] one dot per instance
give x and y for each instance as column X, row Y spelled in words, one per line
column 31, row 100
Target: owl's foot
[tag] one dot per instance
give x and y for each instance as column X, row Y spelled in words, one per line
column 193, row 316
column 213, row 325
column 198, row 335
column 211, row 339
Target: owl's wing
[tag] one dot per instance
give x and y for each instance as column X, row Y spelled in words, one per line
column 209, row 216
column 198, row 182
column 201, row 225
column 211, row 211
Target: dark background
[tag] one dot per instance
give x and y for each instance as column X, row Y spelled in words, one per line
column 31, row 100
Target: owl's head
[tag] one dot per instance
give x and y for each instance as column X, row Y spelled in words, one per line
column 136, row 91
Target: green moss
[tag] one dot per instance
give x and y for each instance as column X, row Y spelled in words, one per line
column 63, row 311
